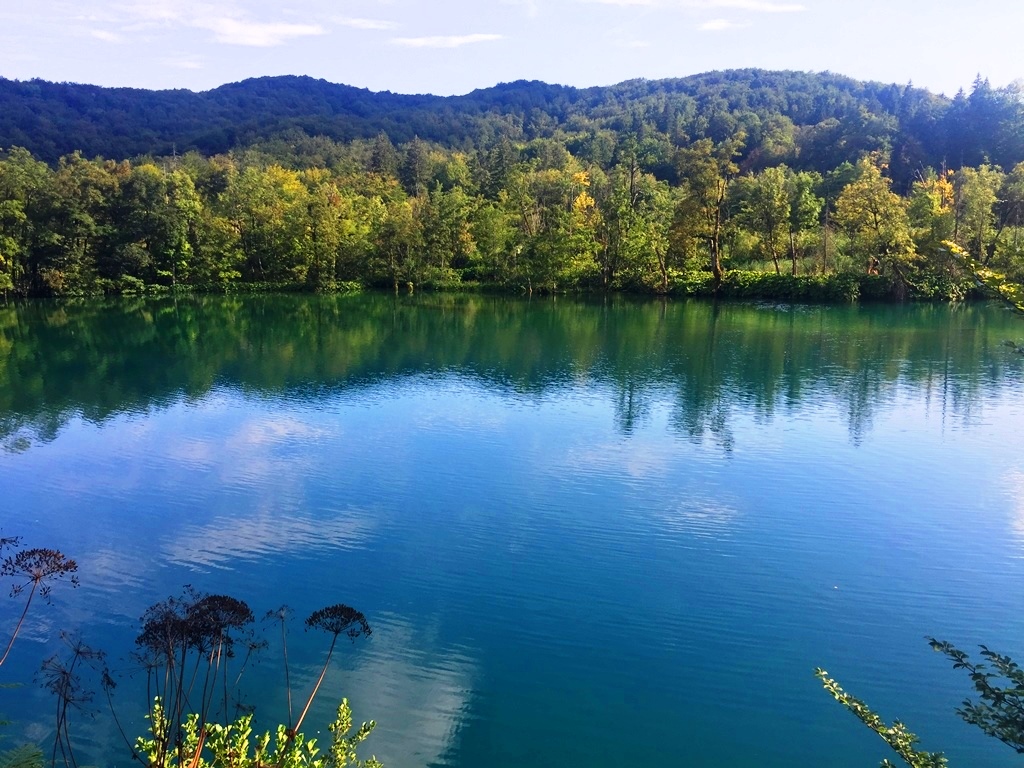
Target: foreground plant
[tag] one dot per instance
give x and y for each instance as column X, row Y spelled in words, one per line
column 233, row 745
column 999, row 682
column 185, row 645
column 338, row 619
column 62, row 676
column 33, row 569
column 896, row 735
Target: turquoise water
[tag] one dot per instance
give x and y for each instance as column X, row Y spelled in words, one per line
column 585, row 533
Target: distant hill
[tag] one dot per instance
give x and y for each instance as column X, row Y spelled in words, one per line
column 829, row 117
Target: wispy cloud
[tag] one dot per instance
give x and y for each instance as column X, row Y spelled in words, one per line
column 153, row 12
column 183, row 63
column 229, row 24
column 444, row 41
column 755, row 6
column 255, row 33
column 105, row 36
column 720, row 25
column 531, row 7
column 644, row 3
column 365, row 23
column 632, row 44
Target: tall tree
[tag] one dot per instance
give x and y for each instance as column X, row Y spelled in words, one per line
column 765, row 208
column 706, row 170
column 876, row 218
column 976, row 195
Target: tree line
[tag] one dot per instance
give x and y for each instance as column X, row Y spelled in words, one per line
column 542, row 215
column 811, row 121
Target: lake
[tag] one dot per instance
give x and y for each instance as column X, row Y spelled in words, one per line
column 585, row 533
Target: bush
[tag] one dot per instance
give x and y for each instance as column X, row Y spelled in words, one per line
column 233, row 746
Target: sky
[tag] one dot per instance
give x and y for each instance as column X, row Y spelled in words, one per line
column 450, row 47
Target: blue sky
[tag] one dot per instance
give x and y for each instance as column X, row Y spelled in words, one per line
column 453, row 46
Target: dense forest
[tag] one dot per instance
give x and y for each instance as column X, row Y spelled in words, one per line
column 696, row 185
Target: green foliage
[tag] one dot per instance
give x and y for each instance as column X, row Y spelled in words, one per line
column 812, row 289
column 902, row 741
column 822, row 120
column 26, row 756
column 999, row 682
column 993, row 283
column 999, row 712
column 234, row 745
column 574, row 196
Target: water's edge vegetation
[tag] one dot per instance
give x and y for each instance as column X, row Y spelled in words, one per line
column 708, row 186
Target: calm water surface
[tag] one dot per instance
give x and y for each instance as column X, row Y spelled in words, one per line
column 585, row 533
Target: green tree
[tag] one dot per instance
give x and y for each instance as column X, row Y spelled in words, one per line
column 765, row 208
column 323, row 230
column 706, row 171
column 976, row 195
column 398, row 241
column 805, row 209
column 444, row 218
column 493, row 229
column 931, row 210
column 876, row 218
column 29, row 210
column 157, row 213
column 269, row 209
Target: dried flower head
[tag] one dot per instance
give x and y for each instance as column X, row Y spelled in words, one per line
column 212, row 616
column 35, row 566
column 194, row 621
column 339, row 619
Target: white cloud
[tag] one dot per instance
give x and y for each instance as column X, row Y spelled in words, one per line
column 107, row 37
column 632, row 44
column 365, row 23
column 255, row 33
column 720, row 25
column 444, row 41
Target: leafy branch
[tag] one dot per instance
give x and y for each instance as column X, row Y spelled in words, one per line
column 1000, row 712
column 896, row 735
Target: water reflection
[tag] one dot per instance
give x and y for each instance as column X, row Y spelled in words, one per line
column 418, row 691
column 270, row 531
column 561, row 518
column 100, row 360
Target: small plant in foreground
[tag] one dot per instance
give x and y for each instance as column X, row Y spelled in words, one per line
column 233, row 745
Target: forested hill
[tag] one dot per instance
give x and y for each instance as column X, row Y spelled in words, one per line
column 815, row 121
